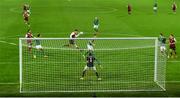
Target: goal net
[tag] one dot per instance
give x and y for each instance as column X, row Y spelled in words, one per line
column 127, row 64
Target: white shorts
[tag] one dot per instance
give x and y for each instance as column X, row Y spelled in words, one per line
column 87, row 68
column 154, row 8
column 96, row 26
column 29, row 45
column 38, row 47
column 163, row 48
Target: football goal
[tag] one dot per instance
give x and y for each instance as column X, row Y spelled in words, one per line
column 123, row 64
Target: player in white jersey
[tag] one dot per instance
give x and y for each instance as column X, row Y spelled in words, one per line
column 73, row 37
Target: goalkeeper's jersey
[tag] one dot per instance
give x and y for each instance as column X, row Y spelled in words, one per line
column 90, row 61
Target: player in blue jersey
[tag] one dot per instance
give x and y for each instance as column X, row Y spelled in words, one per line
column 39, row 47
column 90, row 65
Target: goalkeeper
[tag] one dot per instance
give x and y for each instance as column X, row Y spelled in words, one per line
column 90, row 48
column 90, row 65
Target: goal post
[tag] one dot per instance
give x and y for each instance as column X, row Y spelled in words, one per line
column 128, row 64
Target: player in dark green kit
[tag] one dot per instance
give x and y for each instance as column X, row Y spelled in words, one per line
column 162, row 41
column 96, row 26
column 90, row 65
column 155, row 7
column 39, row 47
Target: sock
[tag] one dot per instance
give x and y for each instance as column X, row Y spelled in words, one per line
column 97, row 75
column 83, row 73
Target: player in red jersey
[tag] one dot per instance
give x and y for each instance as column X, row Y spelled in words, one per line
column 29, row 41
column 172, row 46
column 26, row 18
column 26, row 14
column 73, row 35
column 129, row 9
column 174, row 7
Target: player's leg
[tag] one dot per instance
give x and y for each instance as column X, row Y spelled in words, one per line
column 42, row 50
column 163, row 49
column 174, row 52
column 69, row 44
column 174, row 10
column 26, row 20
column 96, row 29
column 84, row 72
column 36, row 51
column 29, row 47
column 129, row 11
column 170, row 53
column 76, row 46
column 97, row 75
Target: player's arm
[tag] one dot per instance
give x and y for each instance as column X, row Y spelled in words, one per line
column 175, row 40
column 87, row 60
column 80, row 33
column 26, row 35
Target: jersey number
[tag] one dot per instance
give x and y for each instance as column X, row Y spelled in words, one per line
column 90, row 59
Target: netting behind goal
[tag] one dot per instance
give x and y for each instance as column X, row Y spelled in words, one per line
column 128, row 64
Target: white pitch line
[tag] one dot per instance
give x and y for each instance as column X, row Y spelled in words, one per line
column 11, row 83
column 8, row 43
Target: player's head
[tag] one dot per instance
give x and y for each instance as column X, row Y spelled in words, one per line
column 161, row 34
column 171, row 36
column 39, row 35
column 96, row 17
column 90, row 43
column 76, row 30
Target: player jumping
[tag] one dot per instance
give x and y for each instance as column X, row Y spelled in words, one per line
column 96, row 26
column 73, row 35
column 90, row 65
column 29, row 41
column 39, row 47
column 172, row 46
column 162, row 40
column 174, row 7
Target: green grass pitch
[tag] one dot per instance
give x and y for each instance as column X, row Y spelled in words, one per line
column 57, row 18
